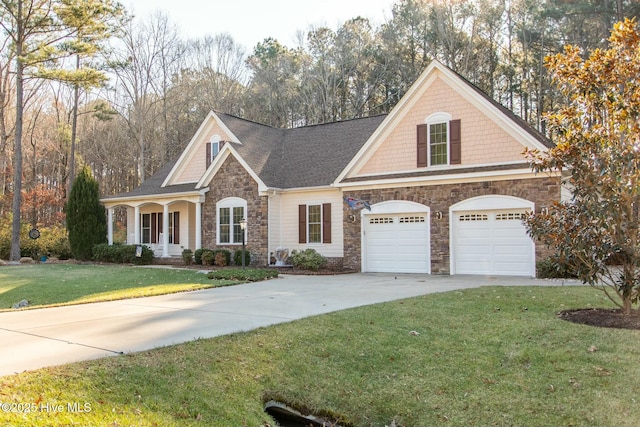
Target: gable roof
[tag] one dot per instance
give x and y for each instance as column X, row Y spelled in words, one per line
column 506, row 119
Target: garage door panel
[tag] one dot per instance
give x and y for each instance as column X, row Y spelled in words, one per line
column 491, row 242
column 396, row 242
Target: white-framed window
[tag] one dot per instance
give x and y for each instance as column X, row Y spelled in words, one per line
column 314, row 223
column 438, row 138
column 230, row 212
column 215, row 146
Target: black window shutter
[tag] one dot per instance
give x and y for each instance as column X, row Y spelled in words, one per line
column 422, row 146
column 208, row 154
column 326, row 223
column 455, row 142
column 302, row 223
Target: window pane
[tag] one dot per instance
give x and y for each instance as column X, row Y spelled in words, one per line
column 438, row 144
column 314, row 233
column 315, row 223
column 225, row 218
column 238, row 215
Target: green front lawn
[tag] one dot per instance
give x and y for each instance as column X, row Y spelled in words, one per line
column 482, row 357
column 60, row 284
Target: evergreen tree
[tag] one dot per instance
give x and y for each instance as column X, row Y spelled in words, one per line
column 86, row 219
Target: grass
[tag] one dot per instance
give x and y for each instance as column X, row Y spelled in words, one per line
column 64, row 284
column 483, row 357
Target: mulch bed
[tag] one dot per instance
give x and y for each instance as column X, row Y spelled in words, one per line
column 602, row 317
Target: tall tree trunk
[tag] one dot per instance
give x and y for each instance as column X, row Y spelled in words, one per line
column 17, row 175
column 74, row 127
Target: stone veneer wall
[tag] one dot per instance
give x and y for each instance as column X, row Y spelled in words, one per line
column 542, row 191
column 232, row 180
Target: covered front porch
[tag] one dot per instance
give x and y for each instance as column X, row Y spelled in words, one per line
column 167, row 223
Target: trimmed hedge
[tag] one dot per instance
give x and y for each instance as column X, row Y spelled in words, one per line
column 122, row 254
column 248, row 274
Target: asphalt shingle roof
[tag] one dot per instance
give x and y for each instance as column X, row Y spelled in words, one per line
column 307, row 156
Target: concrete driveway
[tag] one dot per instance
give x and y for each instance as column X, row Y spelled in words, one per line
column 34, row 339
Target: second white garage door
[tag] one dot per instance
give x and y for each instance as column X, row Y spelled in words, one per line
column 493, row 243
column 396, row 243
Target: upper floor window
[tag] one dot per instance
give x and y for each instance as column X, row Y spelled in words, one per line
column 213, row 148
column 439, row 141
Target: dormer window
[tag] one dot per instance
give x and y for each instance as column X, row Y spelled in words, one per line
column 439, row 141
column 213, row 148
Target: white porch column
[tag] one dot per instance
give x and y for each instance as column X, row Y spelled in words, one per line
column 110, row 226
column 165, row 232
column 136, row 228
column 198, row 225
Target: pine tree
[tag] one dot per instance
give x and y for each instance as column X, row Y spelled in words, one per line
column 86, row 219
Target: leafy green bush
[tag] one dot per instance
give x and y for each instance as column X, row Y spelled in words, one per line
column 53, row 241
column 208, row 257
column 197, row 256
column 237, row 257
column 247, row 274
column 553, row 268
column 187, row 256
column 122, row 254
column 308, row 259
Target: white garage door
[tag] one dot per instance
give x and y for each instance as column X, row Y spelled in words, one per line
column 492, row 242
column 396, row 243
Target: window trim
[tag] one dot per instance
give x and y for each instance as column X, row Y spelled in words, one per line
column 215, row 146
column 231, row 203
column 318, row 223
column 436, row 119
column 304, row 224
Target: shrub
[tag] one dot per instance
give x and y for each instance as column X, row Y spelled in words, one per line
column 248, row 274
column 224, row 253
column 187, row 256
column 553, row 268
column 308, row 259
column 237, row 257
column 53, row 241
column 197, row 256
column 122, row 254
column 208, row 257
column 220, row 259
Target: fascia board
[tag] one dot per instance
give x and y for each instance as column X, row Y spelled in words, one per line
column 442, row 179
column 154, row 198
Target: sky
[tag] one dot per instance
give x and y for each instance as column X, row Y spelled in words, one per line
column 251, row 21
